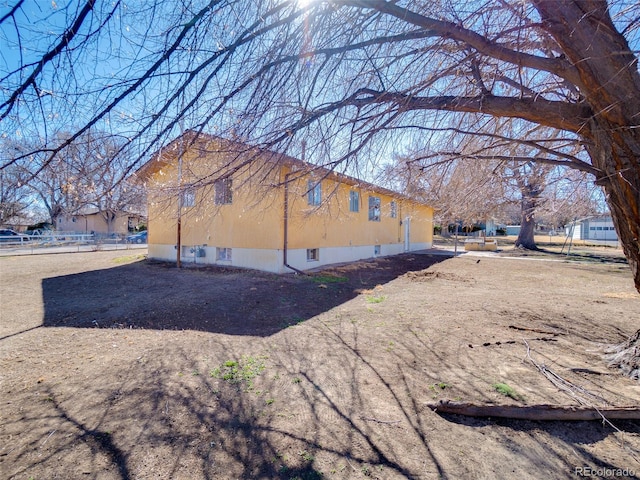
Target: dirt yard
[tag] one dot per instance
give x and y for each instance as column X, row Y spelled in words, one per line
column 114, row 367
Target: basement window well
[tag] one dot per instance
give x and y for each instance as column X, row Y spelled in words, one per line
column 223, row 254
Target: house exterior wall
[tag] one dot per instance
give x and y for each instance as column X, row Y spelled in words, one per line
column 597, row 228
column 253, row 226
column 342, row 235
column 513, row 229
column 92, row 223
column 600, row 228
column 251, row 221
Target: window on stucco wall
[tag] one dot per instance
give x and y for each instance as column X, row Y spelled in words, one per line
column 188, row 198
column 374, row 209
column 223, row 254
column 313, row 255
column 354, row 201
column 222, row 191
column 314, row 193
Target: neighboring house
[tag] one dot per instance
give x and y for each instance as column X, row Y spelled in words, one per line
column 513, row 229
column 592, row 228
column 93, row 221
column 257, row 209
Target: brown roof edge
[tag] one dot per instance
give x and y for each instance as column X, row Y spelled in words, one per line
column 157, row 162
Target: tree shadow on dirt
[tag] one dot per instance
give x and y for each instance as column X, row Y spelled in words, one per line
column 578, row 434
column 154, row 295
column 571, row 256
column 165, row 417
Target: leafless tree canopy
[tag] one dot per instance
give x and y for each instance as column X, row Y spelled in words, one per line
column 357, row 79
column 472, row 178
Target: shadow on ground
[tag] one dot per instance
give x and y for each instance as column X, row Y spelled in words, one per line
column 289, row 422
column 342, row 396
column 576, row 255
column 155, row 295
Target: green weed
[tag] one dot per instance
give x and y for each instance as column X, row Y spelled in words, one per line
column 244, row 370
column 376, row 298
column 507, row 391
column 306, row 456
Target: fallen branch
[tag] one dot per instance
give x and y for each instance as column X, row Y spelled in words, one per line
column 579, row 394
column 536, row 412
column 585, row 398
column 625, row 356
column 537, row 330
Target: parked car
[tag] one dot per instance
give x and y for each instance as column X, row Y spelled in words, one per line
column 138, row 238
column 39, row 232
column 7, row 235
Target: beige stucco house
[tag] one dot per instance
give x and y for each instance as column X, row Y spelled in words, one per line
column 239, row 206
column 95, row 222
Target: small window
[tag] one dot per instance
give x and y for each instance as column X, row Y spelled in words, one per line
column 354, row 201
column 376, row 249
column 394, row 209
column 313, row 254
column 599, row 228
column 223, row 254
column 74, row 219
column 314, row 193
column 188, row 198
column 374, row 209
column 222, row 191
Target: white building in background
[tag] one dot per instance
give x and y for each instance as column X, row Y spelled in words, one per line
column 592, row 228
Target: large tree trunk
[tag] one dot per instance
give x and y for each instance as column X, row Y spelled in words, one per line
column 622, row 197
column 610, row 85
column 527, row 226
column 530, row 191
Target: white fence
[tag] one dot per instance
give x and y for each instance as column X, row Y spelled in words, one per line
column 61, row 242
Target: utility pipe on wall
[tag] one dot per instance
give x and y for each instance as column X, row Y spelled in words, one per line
column 286, row 225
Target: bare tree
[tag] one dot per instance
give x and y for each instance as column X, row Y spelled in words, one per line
column 531, row 182
column 14, row 194
column 470, row 190
column 478, row 174
column 465, row 191
column 110, row 190
column 91, row 172
column 56, row 185
column 570, row 195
